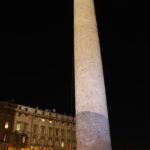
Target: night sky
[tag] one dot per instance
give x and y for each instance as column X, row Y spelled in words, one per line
column 36, row 62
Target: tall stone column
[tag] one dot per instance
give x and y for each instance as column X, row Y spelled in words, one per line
column 91, row 108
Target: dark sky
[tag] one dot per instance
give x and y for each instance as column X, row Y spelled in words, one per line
column 36, row 55
column 36, row 58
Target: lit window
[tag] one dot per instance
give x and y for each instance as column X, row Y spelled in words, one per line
column 4, row 138
column 18, row 127
column 31, row 147
column 62, row 144
column 23, row 139
column 43, row 120
column 50, row 121
column 68, row 132
column 6, row 125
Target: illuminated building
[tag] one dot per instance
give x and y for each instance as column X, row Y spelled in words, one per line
column 26, row 128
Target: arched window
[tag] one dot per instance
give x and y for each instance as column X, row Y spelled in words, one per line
column 18, row 126
column 23, row 139
column 57, row 142
column 50, row 142
column 6, row 125
column 62, row 143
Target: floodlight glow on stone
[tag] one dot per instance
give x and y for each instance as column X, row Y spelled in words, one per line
column 92, row 124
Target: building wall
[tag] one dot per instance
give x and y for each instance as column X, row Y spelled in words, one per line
column 26, row 128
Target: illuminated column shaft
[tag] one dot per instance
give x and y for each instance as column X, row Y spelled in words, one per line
column 91, row 108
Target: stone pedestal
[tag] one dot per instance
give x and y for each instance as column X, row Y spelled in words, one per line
column 91, row 108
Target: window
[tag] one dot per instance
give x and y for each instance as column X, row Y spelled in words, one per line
column 50, row 142
column 34, row 140
column 42, row 141
column 62, row 143
column 57, row 142
column 35, row 128
column 50, row 131
column 50, row 121
column 18, row 126
column 73, row 134
column 62, row 132
column 57, row 130
column 26, row 109
column 25, row 125
column 5, row 137
column 34, row 117
column 42, row 129
column 69, row 143
column 43, row 120
column 55, row 122
column 23, row 139
column 32, row 147
column 68, row 133
column 6, row 125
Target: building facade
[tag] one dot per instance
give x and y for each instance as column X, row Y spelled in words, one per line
column 26, row 128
